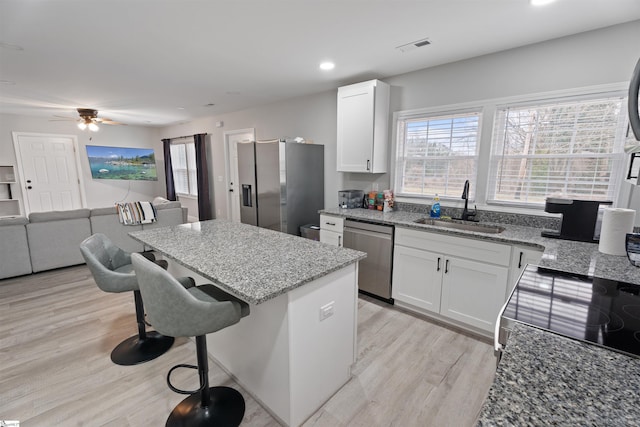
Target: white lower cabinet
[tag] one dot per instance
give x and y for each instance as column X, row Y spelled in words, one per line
column 472, row 292
column 331, row 237
column 417, row 277
column 331, row 230
column 464, row 280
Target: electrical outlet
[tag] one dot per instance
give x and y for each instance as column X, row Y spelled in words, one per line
column 326, row 310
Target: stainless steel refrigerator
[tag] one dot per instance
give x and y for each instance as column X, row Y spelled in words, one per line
column 281, row 183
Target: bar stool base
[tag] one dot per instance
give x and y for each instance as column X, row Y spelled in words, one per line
column 225, row 410
column 134, row 350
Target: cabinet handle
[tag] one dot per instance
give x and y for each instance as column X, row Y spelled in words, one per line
column 520, row 260
column 330, row 223
column 438, row 268
column 446, row 266
column 368, row 163
column 339, row 241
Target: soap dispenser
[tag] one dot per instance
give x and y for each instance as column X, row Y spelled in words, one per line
column 435, row 208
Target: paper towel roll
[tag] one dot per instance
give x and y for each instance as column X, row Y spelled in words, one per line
column 616, row 223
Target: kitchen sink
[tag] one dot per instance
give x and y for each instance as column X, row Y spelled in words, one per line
column 460, row 225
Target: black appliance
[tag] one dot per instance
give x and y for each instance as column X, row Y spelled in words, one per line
column 600, row 311
column 634, row 121
column 579, row 218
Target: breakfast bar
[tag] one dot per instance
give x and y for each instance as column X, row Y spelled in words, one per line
column 297, row 346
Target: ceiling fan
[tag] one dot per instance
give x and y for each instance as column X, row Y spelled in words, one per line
column 89, row 119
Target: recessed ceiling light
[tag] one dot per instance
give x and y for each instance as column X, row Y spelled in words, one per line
column 326, row 66
column 540, row 2
column 7, row 82
column 10, row 46
column 180, row 108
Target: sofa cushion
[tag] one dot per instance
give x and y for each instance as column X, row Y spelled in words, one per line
column 106, row 221
column 58, row 215
column 56, row 243
column 14, row 248
column 19, row 220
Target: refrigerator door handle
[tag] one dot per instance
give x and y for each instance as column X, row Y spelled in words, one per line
column 246, row 195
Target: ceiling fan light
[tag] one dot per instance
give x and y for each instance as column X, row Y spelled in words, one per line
column 93, row 127
column 82, row 125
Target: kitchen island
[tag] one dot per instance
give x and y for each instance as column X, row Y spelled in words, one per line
column 297, row 346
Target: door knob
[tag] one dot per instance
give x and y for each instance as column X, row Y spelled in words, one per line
column 28, row 181
column 29, row 187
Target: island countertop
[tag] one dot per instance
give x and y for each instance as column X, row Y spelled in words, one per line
column 255, row 264
column 546, row 379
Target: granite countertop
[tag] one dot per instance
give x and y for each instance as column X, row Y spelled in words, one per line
column 547, row 379
column 255, row 264
column 565, row 255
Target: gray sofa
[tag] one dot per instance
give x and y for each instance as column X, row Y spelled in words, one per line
column 48, row 240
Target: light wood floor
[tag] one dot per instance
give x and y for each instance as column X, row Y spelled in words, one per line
column 57, row 330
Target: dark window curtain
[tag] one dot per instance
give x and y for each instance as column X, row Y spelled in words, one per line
column 204, row 201
column 168, row 170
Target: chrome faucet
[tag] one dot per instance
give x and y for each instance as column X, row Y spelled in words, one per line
column 466, row 214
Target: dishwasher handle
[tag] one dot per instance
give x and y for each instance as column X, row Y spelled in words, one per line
column 368, row 233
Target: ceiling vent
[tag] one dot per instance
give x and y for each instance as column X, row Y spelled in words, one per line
column 413, row 45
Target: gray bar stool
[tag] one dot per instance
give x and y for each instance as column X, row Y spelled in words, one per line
column 113, row 272
column 193, row 312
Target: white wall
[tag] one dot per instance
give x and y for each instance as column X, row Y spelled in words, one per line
column 99, row 193
column 594, row 58
column 312, row 117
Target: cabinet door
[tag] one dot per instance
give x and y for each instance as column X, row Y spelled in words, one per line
column 355, row 128
column 417, row 277
column 473, row 292
column 519, row 259
column 331, row 237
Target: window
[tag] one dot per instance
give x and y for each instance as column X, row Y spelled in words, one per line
column 437, row 153
column 183, row 162
column 569, row 148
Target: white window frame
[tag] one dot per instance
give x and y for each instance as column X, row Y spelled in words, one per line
column 616, row 157
column 427, row 114
column 488, row 107
column 192, row 183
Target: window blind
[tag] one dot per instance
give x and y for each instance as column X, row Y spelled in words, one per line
column 436, row 154
column 183, row 159
column 570, row 148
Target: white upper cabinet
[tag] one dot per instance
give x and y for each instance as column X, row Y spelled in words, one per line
column 363, row 124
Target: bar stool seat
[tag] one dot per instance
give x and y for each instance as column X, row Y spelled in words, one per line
column 196, row 311
column 113, row 272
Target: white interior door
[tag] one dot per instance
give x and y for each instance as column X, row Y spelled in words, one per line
column 49, row 171
column 231, row 140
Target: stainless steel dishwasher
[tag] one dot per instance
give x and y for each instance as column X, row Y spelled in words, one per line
column 374, row 272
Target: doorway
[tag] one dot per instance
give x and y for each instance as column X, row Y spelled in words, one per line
column 48, row 167
column 231, row 139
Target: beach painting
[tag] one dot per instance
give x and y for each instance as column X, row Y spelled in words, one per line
column 138, row 164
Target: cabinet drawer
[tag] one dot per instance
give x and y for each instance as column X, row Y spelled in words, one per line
column 331, row 223
column 479, row 250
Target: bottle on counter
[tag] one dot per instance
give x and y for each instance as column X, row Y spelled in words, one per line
column 435, row 208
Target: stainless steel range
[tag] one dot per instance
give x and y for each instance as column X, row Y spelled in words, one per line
column 600, row 311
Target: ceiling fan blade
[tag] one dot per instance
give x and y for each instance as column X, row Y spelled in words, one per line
column 60, row 118
column 108, row 121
